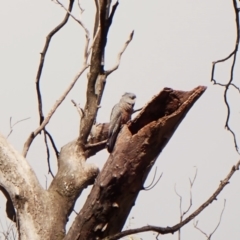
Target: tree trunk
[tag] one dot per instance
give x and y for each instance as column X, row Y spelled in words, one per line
column 138, row 145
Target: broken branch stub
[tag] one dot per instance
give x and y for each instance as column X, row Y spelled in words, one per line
column 138, row 145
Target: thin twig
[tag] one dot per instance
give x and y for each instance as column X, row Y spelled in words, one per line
column 72, row 16
column 191, row 186
column 155, row 172
column 79, row 109
column 167, row 230
column 79, row 6
column 53, row 143
column 220, row 219
column 232, row 84
column 120, row 54
column 199, row 229
column 87, row 34
column 182, row 213
column 226, row 86
column 11, row 126
column 75, row 211
column 180, row 209
column 152, row 184
column 180, row 201
column 48, row 154
column 215, row 229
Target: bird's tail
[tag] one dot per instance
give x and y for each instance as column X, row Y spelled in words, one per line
column 111, row 141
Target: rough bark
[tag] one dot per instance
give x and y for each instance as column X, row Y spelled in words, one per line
column 42, row 214
column 138, row 145
column 18, row 179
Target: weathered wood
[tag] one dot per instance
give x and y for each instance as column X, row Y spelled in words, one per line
column 138, row 145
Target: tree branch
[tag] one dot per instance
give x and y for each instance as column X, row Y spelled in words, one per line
column 11, row 126
column 211, row 234
column 183, row 213
column 53, row 143
column 51, row 112
column 229, row 83
column 79, row 109
column 108, row 72
column 48, row 155
column 44, row 121
column 167, row 230
column 96, row 75
column 75, row 19
column 42, row 59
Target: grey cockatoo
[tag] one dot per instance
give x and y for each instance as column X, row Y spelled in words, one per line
column 121, row 114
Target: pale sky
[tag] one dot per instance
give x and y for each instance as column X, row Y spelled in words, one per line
column 174, row 45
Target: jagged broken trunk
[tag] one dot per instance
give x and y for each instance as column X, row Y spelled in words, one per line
column 138, row 145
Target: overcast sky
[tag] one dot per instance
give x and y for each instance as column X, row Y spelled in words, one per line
column 174, row 45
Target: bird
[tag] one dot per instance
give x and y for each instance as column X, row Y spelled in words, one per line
column 121, row 114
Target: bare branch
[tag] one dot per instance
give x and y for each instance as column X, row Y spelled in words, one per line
column 96, row 75
column 79, row 109
column 51, row 112
column 191, row 186
column 226, row 86
column 182, row 213
column 45, row 121
column 211, row 234
column 194, row 178
column 232, row 84
column 11, row 126
column 77, row 20
column 167, row 230
column 79, row 6
column 180, row 209
column 42, row 59
column 180, row 201
column 152, row 185
column 86, row 51
column 48, row 155
column 53, row 143
column 120, row 54
column 220, row 219
column 199, row 229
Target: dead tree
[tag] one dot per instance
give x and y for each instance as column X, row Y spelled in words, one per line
column 43, row 214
